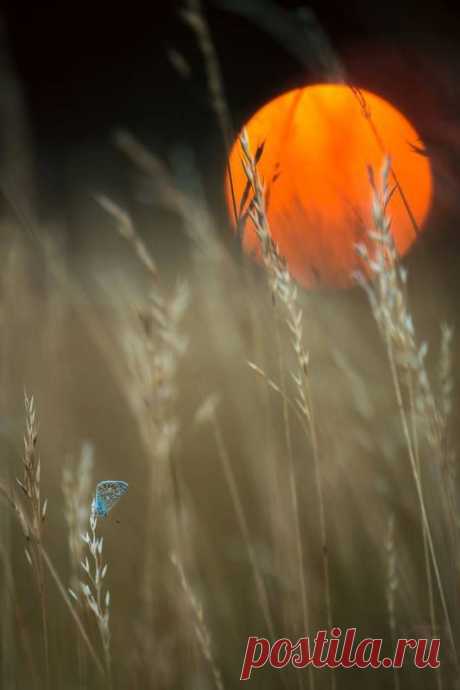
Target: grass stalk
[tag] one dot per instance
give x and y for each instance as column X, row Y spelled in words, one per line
column 405, row 356
column 242, row 522
column 285, row 292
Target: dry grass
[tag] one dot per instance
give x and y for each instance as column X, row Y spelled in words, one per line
column 321, row 490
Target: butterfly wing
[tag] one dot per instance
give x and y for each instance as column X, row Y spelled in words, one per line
column 109, row 492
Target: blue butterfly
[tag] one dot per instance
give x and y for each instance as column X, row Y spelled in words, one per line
column 108, row 493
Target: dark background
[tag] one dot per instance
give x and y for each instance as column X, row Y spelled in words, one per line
column 87, row 69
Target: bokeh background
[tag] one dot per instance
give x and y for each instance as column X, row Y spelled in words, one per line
column 74, row 77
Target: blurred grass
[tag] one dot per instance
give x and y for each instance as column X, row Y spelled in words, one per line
column 64, row 325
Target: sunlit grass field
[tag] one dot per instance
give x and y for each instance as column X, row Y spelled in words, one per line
column 290, row 457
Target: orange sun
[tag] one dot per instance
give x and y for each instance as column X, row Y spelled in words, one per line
column 318, row 146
